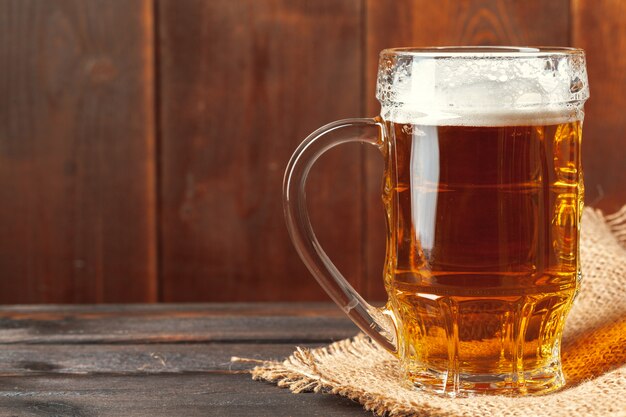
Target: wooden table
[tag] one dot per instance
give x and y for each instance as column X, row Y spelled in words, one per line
column 160, row 360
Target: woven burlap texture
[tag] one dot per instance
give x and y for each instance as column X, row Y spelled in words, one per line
column 593, row 353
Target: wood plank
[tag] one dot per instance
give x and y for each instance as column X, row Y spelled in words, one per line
column 138, row 358
column 163, row 395
column 395, row 23
column 599, row 27
column 242, row 84
column 154, row 325
column 175, row 330
column 77, row 172
column 56, row 311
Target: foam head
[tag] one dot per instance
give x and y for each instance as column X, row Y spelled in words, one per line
column 482, row 86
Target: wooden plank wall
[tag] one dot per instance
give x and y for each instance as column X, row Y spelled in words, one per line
column 143, row 142
column 600, row 28
column 242, row 83
column 77, row 160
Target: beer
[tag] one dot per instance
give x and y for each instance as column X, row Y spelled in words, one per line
column 482, row 248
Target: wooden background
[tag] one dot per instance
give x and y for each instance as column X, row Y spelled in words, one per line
column 143, row 143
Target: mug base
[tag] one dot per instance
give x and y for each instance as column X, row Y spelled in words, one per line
column 537, row 382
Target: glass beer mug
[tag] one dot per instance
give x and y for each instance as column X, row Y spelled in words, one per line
column 483, row 195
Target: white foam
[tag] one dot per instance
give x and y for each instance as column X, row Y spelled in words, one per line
column 485, row 90
column 483, row 117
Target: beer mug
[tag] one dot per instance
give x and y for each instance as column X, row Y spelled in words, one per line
column 483, row 195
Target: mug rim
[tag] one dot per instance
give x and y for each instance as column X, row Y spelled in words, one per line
column 483, row 51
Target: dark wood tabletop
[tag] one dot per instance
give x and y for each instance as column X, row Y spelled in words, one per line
column 160, row 359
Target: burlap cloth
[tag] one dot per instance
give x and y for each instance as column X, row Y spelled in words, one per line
column 594, row 352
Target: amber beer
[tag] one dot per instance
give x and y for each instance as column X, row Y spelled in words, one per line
column 483, row 196
column 482, row 261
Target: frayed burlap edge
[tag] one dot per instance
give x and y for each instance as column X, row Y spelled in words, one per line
column 602, row 396
column 601, row 393
column 299, row 373
column 617, row 224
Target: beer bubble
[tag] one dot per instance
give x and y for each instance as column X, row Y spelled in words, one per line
column 407, row 129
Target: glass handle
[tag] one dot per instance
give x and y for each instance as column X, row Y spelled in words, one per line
column 373, row 321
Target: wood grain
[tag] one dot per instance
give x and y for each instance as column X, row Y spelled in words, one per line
column 163, row 395
column 208, row 310
column 393, row 23
column 599, row 27
column 256, row 323
column 77, row 166
column 242, row 84
column 177, row 358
